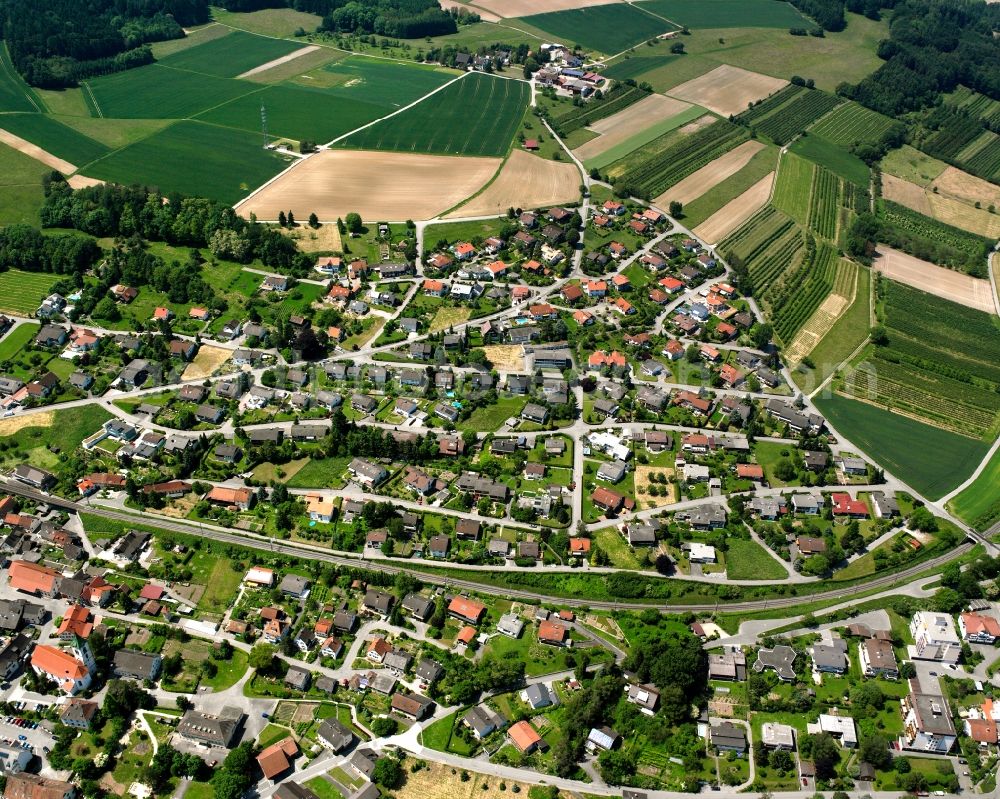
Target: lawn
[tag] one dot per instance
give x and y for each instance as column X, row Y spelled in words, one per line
column 610, row 542
column 272, row 733
column 452, row 232
column 728, row 13
column 477, row 115
column 229, row 673
column 55, row 137
column 29, row 439
column 929, row 459
column 325, row 473
column 20, row 187
column 323, row 788
column 769, row 454
column 230, row 55
column 193, row 158
column 19, row 336
column 491, row 417
column 537, row 658
column 979, row 504
column 221, row 581
column 439, row 736
column 837, row 160
column 609, row 29
column 748, row 560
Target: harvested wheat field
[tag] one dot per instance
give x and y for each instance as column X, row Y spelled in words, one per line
column 944, row 208
column 710, row 175
column 506, row 357
column 438, row 781
column 622, row 126
column 736, row 212
column 525, row 181
column 945, row 283
column 205, row 363
column 380, row 186
column 963, row 186
column 727, row 90
column 525, row 8
column 642, row 484
column 11, row 425
column 325, row 238
column 905, row 193
column 484, row 15
column 36, row 152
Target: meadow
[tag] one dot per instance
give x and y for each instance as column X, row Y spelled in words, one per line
column 392, row 84
column 635, row 66
column 926, row 457
column 268, row 21
column 231, row 55
column 608, row 29
column 20, row 186
column 728, row 13
column 54, row 137
column 223, row 163
column 477, row 115
column 748, row 560
column 979, row 504
column 22, row 292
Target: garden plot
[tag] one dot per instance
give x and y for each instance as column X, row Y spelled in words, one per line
column 524, row 181
column 711, row 175
column 947, row 284
column 728, row 90
column 619, row 127
column 736, row 212
column 376, row 185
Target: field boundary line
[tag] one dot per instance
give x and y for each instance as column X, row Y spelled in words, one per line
column 8, row 68
column 93, row 99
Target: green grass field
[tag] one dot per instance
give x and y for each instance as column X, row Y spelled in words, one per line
column 64, row 429
column 295, row 113
column 391, row 84
column 22, row 292
column 20, row 187
column 491, row 417
column 55, row 137
column 230, row 55
column 728, row 13
column 159, row 92
column 224, row 164
column 635, row 66
column 846, row 56
column 930, row 460
column 476, row 115
column 979, row 504
column 609, row 29
column 269, row 21
column 14, row 92
column 792, row 187
column 12, row 343
column 913, row 165
column 837, row 160
column 114, row 133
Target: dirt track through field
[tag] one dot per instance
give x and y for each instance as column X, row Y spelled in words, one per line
column 736, row 212
column 277, row 62
column 525, row 181
column 626, row 123
column 36, row 152
column 727, row 90
column 525, row 8
column 83, row 182
column 945, row 283
column 711, row 175
column 381, row 186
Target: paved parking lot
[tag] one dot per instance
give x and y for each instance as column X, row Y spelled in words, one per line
column 39, row 738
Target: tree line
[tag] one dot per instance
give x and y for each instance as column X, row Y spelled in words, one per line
column 58, row 43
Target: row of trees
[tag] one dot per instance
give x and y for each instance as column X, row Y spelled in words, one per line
column 60, row 42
